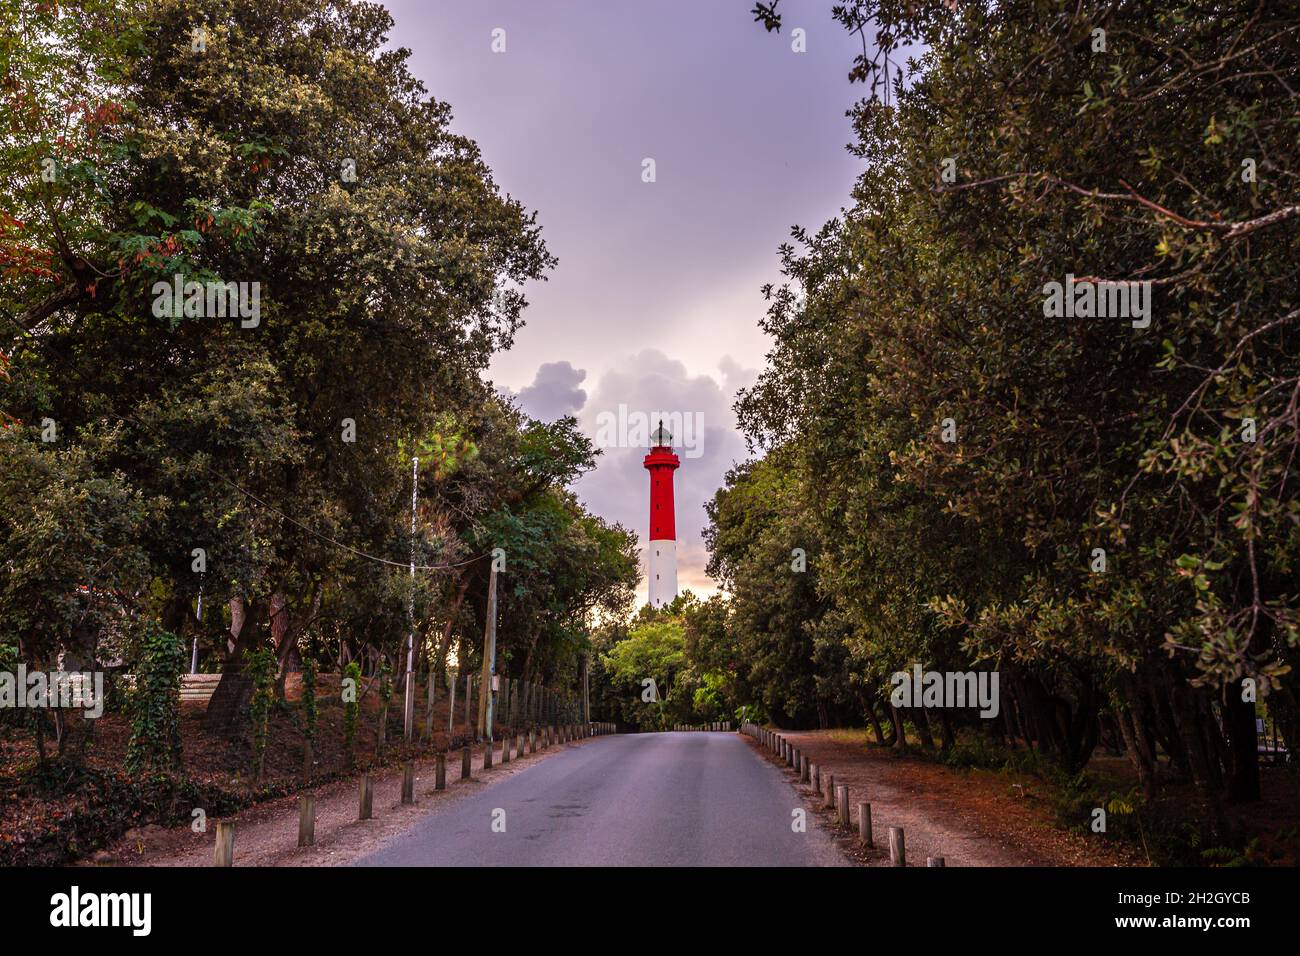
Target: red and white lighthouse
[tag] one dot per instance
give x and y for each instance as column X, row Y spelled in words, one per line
column 661, row 463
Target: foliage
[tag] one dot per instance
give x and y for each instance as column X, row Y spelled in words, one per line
column 950, row 456
column 310, row 708
column 155, row 744
column 261, row 668
column 351, row 708
column 215, row 140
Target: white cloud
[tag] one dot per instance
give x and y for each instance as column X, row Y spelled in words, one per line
column 618, row 488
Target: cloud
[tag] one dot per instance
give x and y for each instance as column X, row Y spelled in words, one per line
column 554, row 392
column 618, row 489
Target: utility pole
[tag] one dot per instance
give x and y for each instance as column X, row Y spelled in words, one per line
column 586, row 688
column 408, row 710
column 198, row 617
column 489, row 659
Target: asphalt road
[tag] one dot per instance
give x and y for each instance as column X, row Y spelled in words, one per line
column 672, row 799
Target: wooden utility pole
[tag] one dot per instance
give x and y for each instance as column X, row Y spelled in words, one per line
column 586, row 689
column 489, row 659
column 408, row 708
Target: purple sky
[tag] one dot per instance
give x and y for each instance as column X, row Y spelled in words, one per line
column 656, row 298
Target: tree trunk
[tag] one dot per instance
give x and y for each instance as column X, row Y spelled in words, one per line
column 945, row 730
column 875, row 723
column 1243, row 748
column 235, row 690
column 921, row 720
column 900, row 735
column 1137, row 753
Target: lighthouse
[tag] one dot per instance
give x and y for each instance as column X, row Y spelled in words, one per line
column 661, row 463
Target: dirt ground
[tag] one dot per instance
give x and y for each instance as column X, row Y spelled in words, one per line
column 970, row 818
column 266, row 834
column 44, row 826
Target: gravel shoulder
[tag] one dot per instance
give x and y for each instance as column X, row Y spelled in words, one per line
column 267, row 833
column 970, row 818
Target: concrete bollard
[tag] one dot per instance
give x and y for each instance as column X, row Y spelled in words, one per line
column 842, row 803
column 864, row 824
column 803, row 768
column 366, row 810
column 440, row 773
column 487, row 754
column 829, row 794
column 897, row 849
column 408, row 782
column 464, row 763
column 224, row 851
column 306, row 819
column 934, row 861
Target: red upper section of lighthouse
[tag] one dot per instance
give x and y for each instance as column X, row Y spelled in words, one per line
column 661, row 463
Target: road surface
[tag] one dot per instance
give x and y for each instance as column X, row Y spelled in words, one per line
column 672, row 799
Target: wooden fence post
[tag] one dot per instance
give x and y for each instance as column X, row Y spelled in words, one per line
column 306, row 819
column 864, row 824
column 366, row 810
column 830, row 791
column 440, row 773
column 487, row 753
column 934, row 861
column 803, row 768
column 842, row 803
column 408, row 782
column 897, row 849
column 225, row 847
column 464, row 763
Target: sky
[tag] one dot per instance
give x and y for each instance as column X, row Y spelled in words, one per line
column 656, row 299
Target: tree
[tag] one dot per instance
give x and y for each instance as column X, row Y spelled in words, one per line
column 1080, row 502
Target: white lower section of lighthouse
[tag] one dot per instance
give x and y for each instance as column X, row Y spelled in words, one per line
column 663, row 571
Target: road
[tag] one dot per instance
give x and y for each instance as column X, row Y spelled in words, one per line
column 672, row 799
